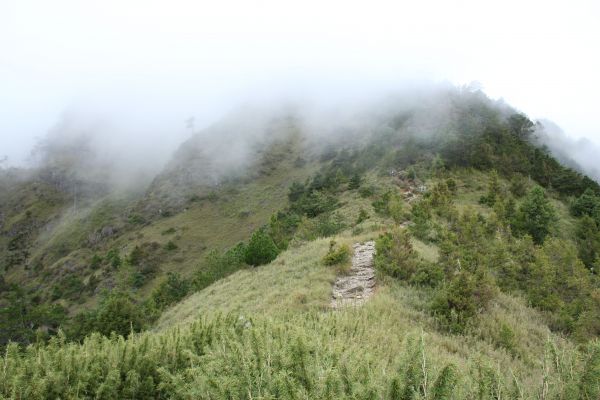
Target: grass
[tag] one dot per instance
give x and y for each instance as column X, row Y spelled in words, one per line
column 297, row 284
column 296, row 280
column 269, row 333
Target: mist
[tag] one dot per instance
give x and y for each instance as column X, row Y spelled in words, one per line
column 137, row 79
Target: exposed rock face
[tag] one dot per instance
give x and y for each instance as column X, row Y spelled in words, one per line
column 356, row 287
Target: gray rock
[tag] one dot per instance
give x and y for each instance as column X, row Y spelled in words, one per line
column 357, row 287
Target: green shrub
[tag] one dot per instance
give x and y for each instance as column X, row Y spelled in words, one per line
column 282, row 227
column 462, row 299
column 117, row 313
column 536, row 215
column 395, row 255
column 261, row 249
column 329, row 224
column 493, row 192
column 443, row 387
column 421, row 218
column 113, row 258
column 217, row 265
column 518, row 186
column 428, row 274
column 362, row 216
column 336, row 255
column 170, row 246
column 170, row 291
column 355, row 182
column 586, row 204
column 366, row 191
column 136, row 219
column 95, row 262
column 314, row 203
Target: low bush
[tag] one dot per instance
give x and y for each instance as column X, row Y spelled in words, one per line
column 337, row 254
column 462, row 298
column 395, row 255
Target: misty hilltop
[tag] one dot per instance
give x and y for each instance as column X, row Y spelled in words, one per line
column 208, row 272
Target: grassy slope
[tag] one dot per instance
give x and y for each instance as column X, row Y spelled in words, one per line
column 288, row 300
column 297, row 283
column 297, row 287
column 229, row 215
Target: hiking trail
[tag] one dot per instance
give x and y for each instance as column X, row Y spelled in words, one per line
column 355, row 288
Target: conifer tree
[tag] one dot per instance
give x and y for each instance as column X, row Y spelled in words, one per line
column 536, row 215
column 261, row 249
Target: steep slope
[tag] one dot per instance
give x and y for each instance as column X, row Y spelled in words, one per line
column 486, row 256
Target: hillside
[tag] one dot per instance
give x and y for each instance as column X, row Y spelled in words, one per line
column 215, row 281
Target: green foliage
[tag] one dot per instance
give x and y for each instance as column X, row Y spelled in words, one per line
column 217, row 265
column 451, row 184
column 586, row 204
column 507, row 338
column 244, row 358
column 70, row 287
column 440, row 196
column 336, row 255
column 395, row 256
column 146, row 259
column 282, row 227
column 536, row 215
column 589, row 385
column 560, row 284
column 113, row 258
column 23, row 318
column 261, row 249
column 168, row 231
column 296, row 191
column 588, row 240
column 323, row 226
column 421, row 218
column 366, row 191
column 518, row 186
column 391, row 205
column 445, row 383
column 117, row 313
column 362, row 216
column 136, row 219
column 96, row 261
column 314, row 203
column 462, row 298
column 170, row 291
column 170, row 246
column 380, row 205
column 355, row 182
column 493, row 192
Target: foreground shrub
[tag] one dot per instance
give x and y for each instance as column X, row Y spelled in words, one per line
column 337, row 254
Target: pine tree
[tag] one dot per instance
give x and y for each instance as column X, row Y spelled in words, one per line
column 355, row 182
column 536, row 215
column 261, row 249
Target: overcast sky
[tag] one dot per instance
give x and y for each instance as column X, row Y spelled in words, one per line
column 146, row 66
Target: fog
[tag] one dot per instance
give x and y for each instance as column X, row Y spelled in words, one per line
column 137, row 78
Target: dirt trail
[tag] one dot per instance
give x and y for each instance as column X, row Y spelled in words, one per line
column 356, row 287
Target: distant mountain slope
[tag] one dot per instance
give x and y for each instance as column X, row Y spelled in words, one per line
column 75, row 247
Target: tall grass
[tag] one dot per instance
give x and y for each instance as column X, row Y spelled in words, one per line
column 312, row 355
